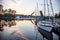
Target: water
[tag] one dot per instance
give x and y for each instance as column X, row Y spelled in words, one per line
column 23, row 30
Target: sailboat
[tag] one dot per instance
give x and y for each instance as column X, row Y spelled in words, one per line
column 46, row 23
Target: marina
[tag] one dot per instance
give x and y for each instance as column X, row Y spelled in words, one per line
column 29, row 20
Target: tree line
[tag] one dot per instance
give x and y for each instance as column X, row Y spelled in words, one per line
column 57, row 15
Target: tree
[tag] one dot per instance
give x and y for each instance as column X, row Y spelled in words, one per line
column 56, row 15
column 59, row 15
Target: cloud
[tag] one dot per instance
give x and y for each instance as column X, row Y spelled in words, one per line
column 18, row 1
column 0, row 0
column 19, row 6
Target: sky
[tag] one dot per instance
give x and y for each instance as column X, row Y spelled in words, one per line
column 26, row 7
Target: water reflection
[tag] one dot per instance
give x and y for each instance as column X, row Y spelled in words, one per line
column 45, row 33
column 12, row 33
column 6, row 23
column 19, row 31
column 23, row 30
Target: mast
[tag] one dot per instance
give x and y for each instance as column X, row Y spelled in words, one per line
column 44, row 8
column 37, row 6
column 36, row 9
column 52, row 11
column 48, row 9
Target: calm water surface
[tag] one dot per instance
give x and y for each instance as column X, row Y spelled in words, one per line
column 23, row 30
